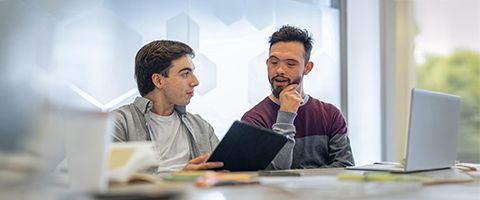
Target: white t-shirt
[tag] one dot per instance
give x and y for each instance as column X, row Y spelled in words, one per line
column 171, row 142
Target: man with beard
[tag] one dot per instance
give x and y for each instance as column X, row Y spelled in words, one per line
column 316, row 130
column 166, row 82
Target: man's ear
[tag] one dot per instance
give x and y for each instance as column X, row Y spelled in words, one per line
column 157, row 80
column 308, row 68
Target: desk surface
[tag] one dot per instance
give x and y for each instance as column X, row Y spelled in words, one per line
column 315, row 184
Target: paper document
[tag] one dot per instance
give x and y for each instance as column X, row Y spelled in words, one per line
column 128, row 159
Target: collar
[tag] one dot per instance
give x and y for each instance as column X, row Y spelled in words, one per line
column 144, row 105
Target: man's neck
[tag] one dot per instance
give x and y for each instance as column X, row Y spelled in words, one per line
column 274, row 99
column 160, row 105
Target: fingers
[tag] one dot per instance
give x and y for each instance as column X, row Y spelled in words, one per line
column 199, row 163
column 290, row 99
column 210, row 165
column 203, row 166
column 200, row 159
column 291, row 90
column 291, row 87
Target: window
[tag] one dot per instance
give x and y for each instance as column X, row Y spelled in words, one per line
column 433, row 45
column 447, row 59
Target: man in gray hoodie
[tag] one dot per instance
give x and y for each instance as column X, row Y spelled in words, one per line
column 166, row 82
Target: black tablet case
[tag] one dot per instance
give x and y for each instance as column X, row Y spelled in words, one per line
column 247, row 147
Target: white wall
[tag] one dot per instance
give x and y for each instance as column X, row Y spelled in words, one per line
column 364, row 97
column 87, row 48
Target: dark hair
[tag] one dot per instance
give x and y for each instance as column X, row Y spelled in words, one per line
column 289, row 33
column 157, row 57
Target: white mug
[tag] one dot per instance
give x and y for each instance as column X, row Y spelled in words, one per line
column 87, row 141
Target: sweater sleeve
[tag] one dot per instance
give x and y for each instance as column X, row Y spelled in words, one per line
column 340, row 152
column 119, row 127
column 213, row 138
column 284, row 125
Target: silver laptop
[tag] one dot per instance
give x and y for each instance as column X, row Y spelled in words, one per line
column 432, row 134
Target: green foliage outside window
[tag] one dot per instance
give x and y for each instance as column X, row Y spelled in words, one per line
column 458, row 74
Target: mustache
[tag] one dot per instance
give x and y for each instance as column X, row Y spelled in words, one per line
column 279, row 76
column 289, row 80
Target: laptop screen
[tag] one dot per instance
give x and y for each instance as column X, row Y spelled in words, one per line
column 433, row 130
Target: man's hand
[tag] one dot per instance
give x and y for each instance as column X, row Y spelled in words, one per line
column 199, row 163
column 290, row 99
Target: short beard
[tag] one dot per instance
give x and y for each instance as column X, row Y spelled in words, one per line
column 277, row 90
